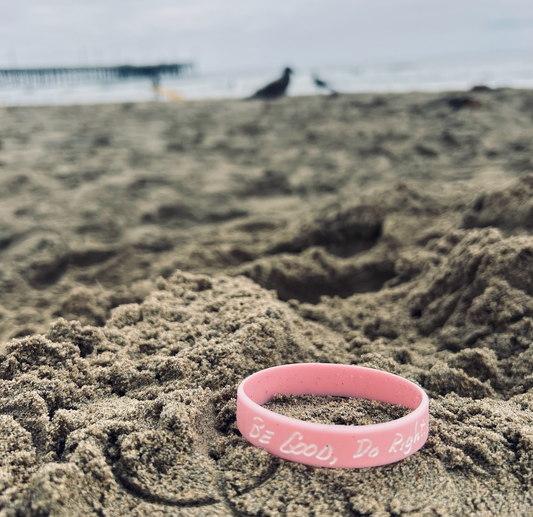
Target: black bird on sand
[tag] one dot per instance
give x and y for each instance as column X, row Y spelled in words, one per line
column 275, row 89
column 324, row 85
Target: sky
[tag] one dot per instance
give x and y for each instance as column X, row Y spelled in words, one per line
column 251, row 35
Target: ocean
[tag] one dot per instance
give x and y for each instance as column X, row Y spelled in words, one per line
column 444, row 74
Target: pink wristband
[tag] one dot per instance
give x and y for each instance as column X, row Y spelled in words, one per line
column 323, row 445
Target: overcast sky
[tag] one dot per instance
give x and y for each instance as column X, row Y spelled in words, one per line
column 258, row 34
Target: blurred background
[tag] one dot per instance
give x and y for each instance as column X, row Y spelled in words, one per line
column 235, row 45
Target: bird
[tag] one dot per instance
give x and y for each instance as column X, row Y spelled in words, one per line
column 323, row 84
column 275, row 89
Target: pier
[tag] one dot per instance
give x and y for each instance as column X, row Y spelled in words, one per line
column 20, row 77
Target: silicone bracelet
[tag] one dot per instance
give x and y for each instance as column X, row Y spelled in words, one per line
column 325, row 445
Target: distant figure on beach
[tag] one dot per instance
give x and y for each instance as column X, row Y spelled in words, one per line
column 275, row 89
column 156, row 80
column 160, row 92
column 324, row 85
column 156, row 83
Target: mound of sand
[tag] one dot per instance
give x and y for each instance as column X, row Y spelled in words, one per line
column 138, row 417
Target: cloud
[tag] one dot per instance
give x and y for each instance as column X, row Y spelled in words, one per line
column 260, row 33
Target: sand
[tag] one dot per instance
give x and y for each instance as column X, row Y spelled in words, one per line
column 154, row 255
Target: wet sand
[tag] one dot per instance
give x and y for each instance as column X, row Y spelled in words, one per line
column 153, row 255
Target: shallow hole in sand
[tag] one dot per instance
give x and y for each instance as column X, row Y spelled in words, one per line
column 335, row 410
column 341, row 241
column 308, row 287
column 21, row 332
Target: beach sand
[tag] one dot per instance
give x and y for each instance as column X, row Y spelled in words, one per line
column 154, row 255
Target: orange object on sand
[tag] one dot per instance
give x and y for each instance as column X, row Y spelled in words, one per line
column 169, row 94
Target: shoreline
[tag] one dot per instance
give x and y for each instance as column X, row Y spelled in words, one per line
column 378, row 92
